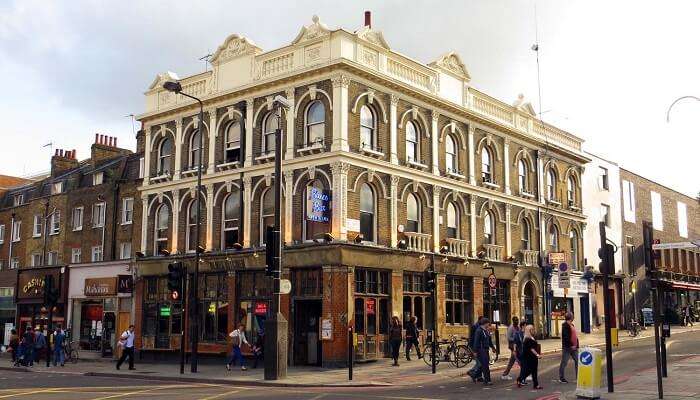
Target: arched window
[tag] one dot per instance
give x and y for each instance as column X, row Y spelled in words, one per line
column 267, row 212
column 489, row 228
column 573, row 242
column 192, row 226
column 194, row 149
column 165, row 152
column 412, row 142
column 270, row 125
column 553, row 238
column 486, row 167
column 452, row 221
column 162, row 226
column 412, row 214
column 368, row 127
column 571, row 191
column 367, row 212
column 315, row 123
column 525, row 235
column 551, row 184
column 316, row 210
column 232, row 148
column 231, row 219
column 451, row 155
column 522, row 176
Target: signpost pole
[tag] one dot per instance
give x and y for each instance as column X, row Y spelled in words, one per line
column 607, row 265
column 648, row 233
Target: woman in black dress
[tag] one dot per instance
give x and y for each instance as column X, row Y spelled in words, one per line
column 530, row 358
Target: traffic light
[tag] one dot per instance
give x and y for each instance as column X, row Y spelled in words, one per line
column 607, row 257
column 650, row 255
column 430, row 280
column 51, row 292
column 175, row 280
column 269, row 251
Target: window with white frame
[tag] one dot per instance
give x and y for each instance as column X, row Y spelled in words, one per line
column 270, row 125
column 525, row 234
column 267, row 213
column 192, row 216
column 127, row 210
column 368, row 127
column 413, row 213
column 18, row 199
column 2, row 233
column 57, row 187
column 682, row 220
column 125, row 250
column 77, row 218
column 452, row 221
column 367, row 212
column 195, row 150
column 142, row 167
column 553, row 238
column 486, row 165
column 657, row 218
column 36, row 260
column 98, row 215
column 14, row 263
column 628, row 201
column 551, row 185
column 97, row 178
column 522, row 176
column 55, row 222
column 231, row 219
column 604, row 179
column 605, row 214
column 571, row 191
column 96, row 254
column 489, row 228
column 52, row 258
column 315, row 125
column 165, row 153
column 232, row 147
column 75, row 255
column 37, row 225
column 573, row 246
column 412, row 142
column 451, row 163
column 162, row 226
column 16, row 231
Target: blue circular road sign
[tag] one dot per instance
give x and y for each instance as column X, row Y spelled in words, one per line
column 586, row 358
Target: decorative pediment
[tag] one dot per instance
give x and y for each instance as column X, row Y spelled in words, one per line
column 524, row 106
column 452, row 64
column 315, row 30
column 234, row 46
column 162, row 78
column 372, row 36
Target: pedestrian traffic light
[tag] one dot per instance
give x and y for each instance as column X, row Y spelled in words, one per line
column 175, row 280
column 269, row 251
column 430, row 280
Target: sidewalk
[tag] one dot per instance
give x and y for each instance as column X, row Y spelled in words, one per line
column 379, row 373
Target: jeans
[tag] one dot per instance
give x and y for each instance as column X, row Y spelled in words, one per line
column 236, row 355
column 58, row 356
column 565, row 355
column 126, row 352
column 395, row 345
column 511, row 362
column 483, row 355
column 410, row 342
column 529, row 368
column 29, row 355
column 475, row 372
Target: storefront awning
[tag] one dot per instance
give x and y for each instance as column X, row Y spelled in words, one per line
column 685, row 285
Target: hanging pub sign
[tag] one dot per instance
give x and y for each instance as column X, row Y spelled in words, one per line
column 125, row 284
column 318, row 205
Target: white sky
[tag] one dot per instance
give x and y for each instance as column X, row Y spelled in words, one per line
column 609, row 69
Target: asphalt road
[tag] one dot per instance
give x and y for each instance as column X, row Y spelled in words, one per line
column 630, row 358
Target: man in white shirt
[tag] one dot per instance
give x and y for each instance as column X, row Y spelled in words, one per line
column 237, row 338
column 126, row 342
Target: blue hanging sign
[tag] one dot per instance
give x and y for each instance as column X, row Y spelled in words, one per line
column 318, row 205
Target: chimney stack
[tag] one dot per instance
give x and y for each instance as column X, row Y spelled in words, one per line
column 105, row 147
column 62, row 161
column 368, row 19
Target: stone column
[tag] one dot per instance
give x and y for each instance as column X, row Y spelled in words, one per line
column 212, row 134
column 393, row 216
column 144, row 223
column 209, row 243
column 289, row 154
column 247, row 204
column 340, row 113
column 147, row 157
column 178, row 149
column 249, row 112
column 436, row 218
column 434, row 142
column 288, row 203
column 175, row 223
column 472, row 224
column 509, row 244
column 506, row 166
column 339, row 200
column 393, row 133
column 471, row 155
column 397, row 294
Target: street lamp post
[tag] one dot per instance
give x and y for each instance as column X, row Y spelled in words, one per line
column 175, row 87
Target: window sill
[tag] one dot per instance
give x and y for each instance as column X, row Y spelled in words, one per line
column 553, row 202
column 491, row 185
column 160, row 178
column 80, row 228
column 53, row 233
column 266, row 157
column 228, row 165
column 416, row 164
column 372, row 153
column 312, row 148
column 454, row 174
column 36, row 236
column 527, row 194
column 192, row 171
column 127, row 223
column 574, row 208
column 97, row 226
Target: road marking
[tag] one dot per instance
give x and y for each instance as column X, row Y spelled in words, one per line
column 216, row 396
column 143, row 391
column 31, row 392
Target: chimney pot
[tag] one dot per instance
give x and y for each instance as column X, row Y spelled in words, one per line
column 60, row 153
column 55, row 153
column 368, row 19
column 96, row 137
column 115, row 141
column 109, row 140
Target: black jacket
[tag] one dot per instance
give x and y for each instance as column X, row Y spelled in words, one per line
column 411, row 331
column 566, row 336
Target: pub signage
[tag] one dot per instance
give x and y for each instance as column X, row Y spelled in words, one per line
column 318, row 205
column 101, row 286
column 31, row 283
column 125, row 284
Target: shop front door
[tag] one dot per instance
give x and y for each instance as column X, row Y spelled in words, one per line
column 307, row 344
column 371, row 326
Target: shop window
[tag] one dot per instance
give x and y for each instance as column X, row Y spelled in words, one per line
column 162, row 317
column 359, row 315
column 383, row 316
column 213, row 307
column 254, row 291
column 415, row 295
column 499, row 302
column 458, row 300
column 307, row 282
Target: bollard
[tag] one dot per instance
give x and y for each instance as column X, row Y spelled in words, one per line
column 351, row 350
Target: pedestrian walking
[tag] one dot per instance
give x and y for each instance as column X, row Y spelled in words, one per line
column 482, row 344
column 395, row 339
column 39, row 343
column 126, row 342
column 259, row 348
column 569, row 346
column 28, row 353
column 237, row 340
column 688, row 315
column 59, row 341
column 412, row 334
column 14, row 345
column 529, row 358
column 512, row 336
column 475, row 372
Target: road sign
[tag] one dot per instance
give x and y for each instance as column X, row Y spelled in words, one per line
column 564, row 279
column 680, row 245
column 590, row 370
column 285, row 286
column 492, row 281
column 586, row 358
column 556, row 258
column 175, row 295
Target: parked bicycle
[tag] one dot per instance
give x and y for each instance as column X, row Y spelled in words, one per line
column 449, row 351
column 71, row 352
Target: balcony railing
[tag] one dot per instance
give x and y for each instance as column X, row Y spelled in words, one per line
column 529, row 257
column 494, row 252
column 418, row 241
column 458, row 247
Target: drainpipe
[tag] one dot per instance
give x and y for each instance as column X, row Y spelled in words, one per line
column 545, row 296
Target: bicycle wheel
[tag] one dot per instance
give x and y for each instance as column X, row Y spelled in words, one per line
column 73, row 356
column 428, row 355
column 461, row 356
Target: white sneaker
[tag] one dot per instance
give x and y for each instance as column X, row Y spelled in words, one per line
column 244, row 369
column 528, row 379
column 506, row 378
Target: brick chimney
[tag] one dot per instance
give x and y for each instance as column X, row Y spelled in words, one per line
column 62, row 161
column 105, row 147
column 368, row 19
